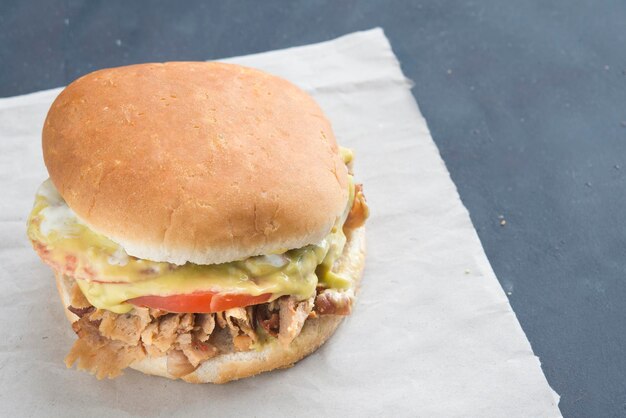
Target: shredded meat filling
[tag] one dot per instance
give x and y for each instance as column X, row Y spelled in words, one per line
column 332, row 302
column 198, row 351
column 359, row 211
column 99, row 355
column 178, row 365
column 80, row 312
column 108, row 342
column 268, row 319
column 292, row 315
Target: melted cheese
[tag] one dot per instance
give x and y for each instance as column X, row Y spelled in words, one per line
column 108, row 276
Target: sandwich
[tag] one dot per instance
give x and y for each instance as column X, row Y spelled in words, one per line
column 200, row 219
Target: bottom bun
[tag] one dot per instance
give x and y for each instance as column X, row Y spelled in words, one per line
column 236, row 365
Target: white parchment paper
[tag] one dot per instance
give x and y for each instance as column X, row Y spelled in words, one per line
column 433, row 334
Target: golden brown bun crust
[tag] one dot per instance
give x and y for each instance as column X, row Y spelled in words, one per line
column 233, row 366
column 194, row 161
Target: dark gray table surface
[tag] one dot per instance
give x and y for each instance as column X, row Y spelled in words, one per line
column 525, row 99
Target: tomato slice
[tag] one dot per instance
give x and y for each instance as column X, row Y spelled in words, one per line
column 199, row 302
column 223, row 301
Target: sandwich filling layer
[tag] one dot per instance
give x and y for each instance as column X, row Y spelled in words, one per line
column 109, row 277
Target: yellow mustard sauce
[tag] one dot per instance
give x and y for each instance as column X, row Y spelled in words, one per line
column 108, row 276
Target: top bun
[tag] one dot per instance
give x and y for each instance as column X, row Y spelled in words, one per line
column 195, row 162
